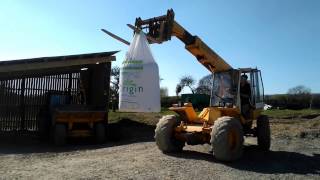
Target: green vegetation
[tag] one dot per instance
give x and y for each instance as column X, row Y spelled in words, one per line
column 287, row 113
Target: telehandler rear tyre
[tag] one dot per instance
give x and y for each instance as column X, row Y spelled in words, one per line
column 227, row 139
column 263, row 133
column 164, row 135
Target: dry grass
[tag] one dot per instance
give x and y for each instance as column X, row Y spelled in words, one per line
column 289, row 114
column 147, row 118
column 296, row 127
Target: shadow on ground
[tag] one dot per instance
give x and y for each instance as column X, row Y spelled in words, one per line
column 271, row 162
column 121, row 133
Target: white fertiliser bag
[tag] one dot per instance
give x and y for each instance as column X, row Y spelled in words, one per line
column 139, row 78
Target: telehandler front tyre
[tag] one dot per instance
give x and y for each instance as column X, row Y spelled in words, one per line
column 227, row 139
column 263, row 133
column 164, row 135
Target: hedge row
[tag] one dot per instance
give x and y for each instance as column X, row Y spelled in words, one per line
column 287, row 101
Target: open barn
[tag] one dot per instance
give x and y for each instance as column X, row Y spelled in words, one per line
column 30, row 87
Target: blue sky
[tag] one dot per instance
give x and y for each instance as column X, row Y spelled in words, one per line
column 282, row 38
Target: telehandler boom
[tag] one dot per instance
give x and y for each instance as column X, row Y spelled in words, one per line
column 163, row 27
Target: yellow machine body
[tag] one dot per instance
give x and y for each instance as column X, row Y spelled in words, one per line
column 202, row 122
column 72, row 118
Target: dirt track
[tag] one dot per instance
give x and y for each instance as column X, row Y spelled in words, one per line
column 135, row 156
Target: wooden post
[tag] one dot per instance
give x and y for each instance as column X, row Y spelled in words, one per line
column 69, row 88
column 22, row 104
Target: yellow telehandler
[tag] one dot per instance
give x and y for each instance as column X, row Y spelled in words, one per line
column 232, row 111
column 236, row 101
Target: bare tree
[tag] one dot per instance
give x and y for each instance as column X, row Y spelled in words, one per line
column 187, row 81
column 178, row 89
column 114, row 86
column 298, row 90
column 163, row 92
column 301, row 95
column 205, row 85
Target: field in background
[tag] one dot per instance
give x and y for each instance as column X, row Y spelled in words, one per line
column 287, row 113
column 152, row 118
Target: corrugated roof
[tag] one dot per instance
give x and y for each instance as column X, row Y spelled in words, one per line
column 59, row 58
column 55, row 64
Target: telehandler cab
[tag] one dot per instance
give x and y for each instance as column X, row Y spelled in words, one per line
column 230, row 115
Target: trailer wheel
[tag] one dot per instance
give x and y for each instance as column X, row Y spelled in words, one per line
column 164, row 135
column 227, row 139
column 60, row 134
column 263, row 132
column 43, row 125
column 100, row 132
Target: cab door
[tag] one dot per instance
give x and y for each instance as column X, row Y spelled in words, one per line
column 257, row 95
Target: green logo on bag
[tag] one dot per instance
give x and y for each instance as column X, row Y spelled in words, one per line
column 125, row 62
column 136, row 65
column 130, row 87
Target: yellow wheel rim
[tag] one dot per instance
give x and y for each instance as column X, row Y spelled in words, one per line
column 233, row 137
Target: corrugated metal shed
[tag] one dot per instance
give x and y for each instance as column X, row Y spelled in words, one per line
column 26, row 85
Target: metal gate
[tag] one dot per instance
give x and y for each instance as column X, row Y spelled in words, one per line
column 21, row 99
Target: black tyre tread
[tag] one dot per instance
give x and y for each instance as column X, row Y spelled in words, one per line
column 263, row 133
column 219, row 138
column 164, row 135
column 100, row 132
column 60, row 134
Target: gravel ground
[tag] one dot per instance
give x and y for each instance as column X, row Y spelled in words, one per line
column 135, row 156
